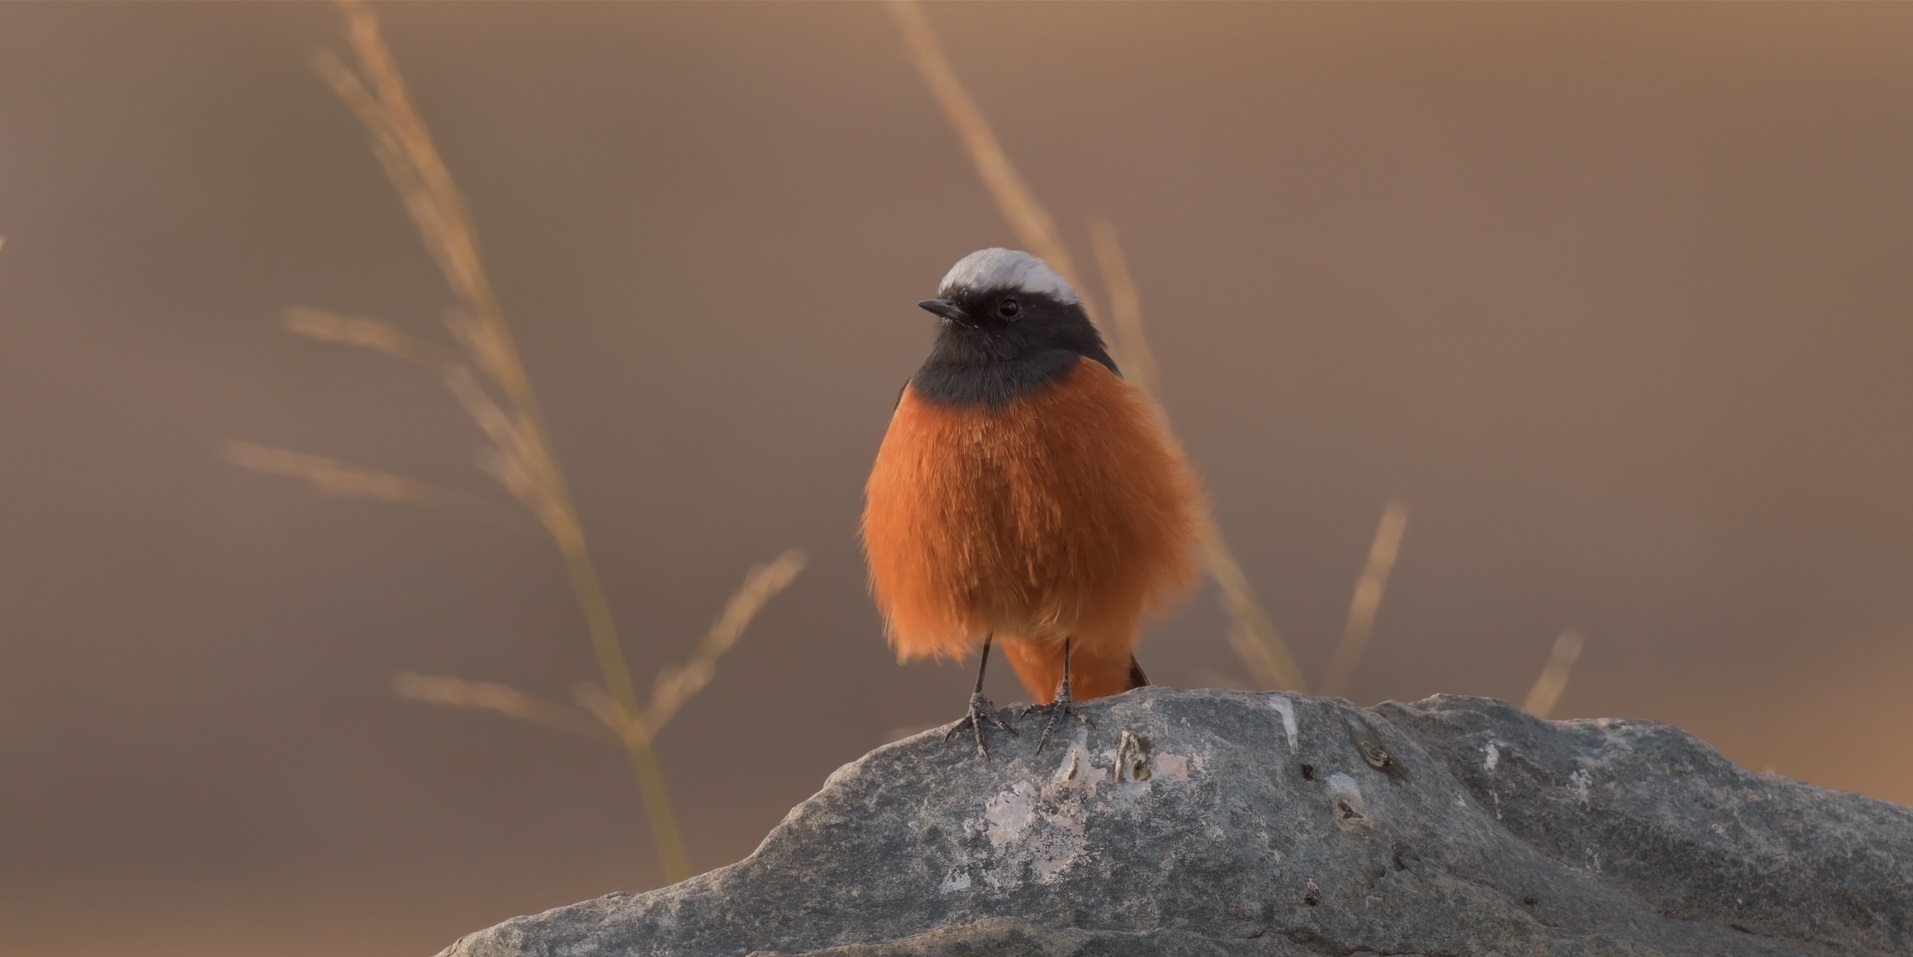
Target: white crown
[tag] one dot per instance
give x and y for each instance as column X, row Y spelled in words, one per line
column 999, row 268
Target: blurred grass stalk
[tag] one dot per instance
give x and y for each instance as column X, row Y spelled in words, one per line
column 601, row 716
column 1367, row 599
column 519, row 456
column 1251, row 634
column 523, row 461
column 1553, row 680
column 499, row 699
column 326, row 476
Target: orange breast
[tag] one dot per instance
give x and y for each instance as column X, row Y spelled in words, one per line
column 1067, row 512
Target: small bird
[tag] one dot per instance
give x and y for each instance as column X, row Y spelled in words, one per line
column 1024, row 494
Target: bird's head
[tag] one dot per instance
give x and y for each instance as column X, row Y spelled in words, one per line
column 1009, row 323
column 1003, row 288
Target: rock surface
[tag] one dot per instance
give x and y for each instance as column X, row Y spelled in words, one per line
column 1278, row 824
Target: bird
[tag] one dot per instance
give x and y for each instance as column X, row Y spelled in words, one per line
column 1025, row 495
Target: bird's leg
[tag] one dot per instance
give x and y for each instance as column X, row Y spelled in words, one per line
column 981, row 710
column 1063, row 705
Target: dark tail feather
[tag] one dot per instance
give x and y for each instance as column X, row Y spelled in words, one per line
column 1136, row 678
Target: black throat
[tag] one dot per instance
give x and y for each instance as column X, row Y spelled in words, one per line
column 986, row 359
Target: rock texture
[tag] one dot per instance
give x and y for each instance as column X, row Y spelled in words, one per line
column 1273, row 824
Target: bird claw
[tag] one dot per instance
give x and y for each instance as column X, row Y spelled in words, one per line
column 981, row 712
column 1063, row 705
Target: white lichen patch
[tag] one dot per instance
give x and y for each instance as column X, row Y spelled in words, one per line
column 1285, row 706
column 1026, row 827
column 1490, row 756
column 1579, row 782
column 1035, row 830
column 1172, row 767
column 1008, row 815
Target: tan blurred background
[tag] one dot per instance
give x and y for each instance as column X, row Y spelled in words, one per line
column 1617, row 298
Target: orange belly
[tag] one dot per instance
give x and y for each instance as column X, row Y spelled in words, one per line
column 1067, row 513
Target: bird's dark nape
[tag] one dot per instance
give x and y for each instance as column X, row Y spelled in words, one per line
column 1136, row 678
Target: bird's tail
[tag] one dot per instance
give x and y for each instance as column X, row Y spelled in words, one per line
column 1136, row 678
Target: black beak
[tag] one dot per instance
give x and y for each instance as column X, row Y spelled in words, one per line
column 942, row 307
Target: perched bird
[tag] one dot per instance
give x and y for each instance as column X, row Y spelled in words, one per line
column 1026, row 495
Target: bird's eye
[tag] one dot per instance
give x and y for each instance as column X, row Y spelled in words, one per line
column 1009, row 308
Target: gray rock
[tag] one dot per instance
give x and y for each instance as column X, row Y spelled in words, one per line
column 1275, row 824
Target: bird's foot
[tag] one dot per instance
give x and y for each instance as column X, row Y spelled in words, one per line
column 981, row 712
column 1063, row 705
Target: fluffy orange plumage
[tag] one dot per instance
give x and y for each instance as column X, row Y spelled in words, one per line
column 1068, row 512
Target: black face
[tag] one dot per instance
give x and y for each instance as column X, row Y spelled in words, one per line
column 997, row 344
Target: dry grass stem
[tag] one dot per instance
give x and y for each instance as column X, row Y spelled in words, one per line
column 1253, row 636
column 485, row 348
column 372, row 334
column 498, row 398
column 1553, row 680
column 1368, row 597
column 676, row 685
column 598, row 701
column 1030, row 221
column 498, row 699
column 377, row 94
column 326, row 476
